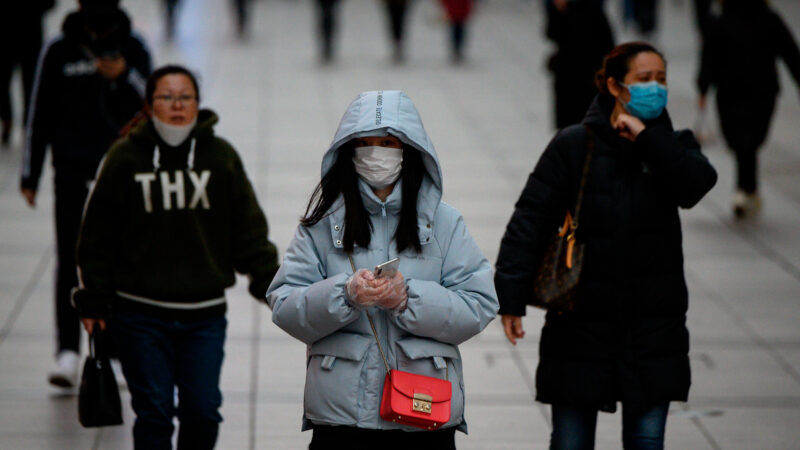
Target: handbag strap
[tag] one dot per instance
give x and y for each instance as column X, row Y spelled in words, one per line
column 375, row 333
column 371, row 323
column 590, row 143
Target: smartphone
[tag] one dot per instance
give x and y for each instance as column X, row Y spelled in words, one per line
column 387, row 269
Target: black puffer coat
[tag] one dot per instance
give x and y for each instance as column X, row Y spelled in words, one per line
column 627, row 339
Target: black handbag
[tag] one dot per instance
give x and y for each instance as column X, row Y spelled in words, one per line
column 98, row 399
column 559, row 272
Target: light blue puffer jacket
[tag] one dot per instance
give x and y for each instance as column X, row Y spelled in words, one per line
column 451, row 295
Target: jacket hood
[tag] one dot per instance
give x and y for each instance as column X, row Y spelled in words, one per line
column 598, row 117
column 110, row 18
column 380, row 113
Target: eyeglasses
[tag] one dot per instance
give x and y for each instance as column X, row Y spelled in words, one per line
column 186, row 98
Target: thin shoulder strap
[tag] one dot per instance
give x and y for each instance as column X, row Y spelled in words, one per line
column 590, row 143
column 371, row 323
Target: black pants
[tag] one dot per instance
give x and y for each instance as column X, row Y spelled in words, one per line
column 457, row 36
column 745, row 120
column 24, row 53
column 352, row 438
column 70, row 196
column 397, row 18
column 327, row 25
column 645, row 15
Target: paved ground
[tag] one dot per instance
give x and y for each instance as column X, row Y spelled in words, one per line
column 490, row 120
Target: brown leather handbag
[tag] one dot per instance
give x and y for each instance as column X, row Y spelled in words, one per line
column 556, row 282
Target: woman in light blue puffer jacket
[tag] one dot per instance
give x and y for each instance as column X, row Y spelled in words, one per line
column 442, row 295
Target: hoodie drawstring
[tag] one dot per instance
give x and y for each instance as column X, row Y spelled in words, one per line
column 189, row 158
column 156, row 159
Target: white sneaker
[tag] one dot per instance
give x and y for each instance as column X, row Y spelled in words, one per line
column 66, row 373
column 746, row 205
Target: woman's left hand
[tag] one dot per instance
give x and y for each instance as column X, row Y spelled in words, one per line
column 628, row 126
column 395, row 296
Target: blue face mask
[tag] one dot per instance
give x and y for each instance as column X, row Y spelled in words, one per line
column 648, row 100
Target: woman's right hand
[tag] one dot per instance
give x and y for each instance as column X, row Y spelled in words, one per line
column 512, row 325
column 89, row 323
column 363, row 290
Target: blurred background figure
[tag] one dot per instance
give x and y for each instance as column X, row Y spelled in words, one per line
column 640, row 13
column 581, row 32
column 241, row 11
column 739, row 55
column 172, row 13
column 703, row 15
column 458, row 12
column 644, row 12
column 326, row 10
column 20, row 24
column 396, row 12
column 89, row 83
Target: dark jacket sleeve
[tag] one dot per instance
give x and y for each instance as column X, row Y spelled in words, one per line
column 253, row 253
column 787, row 48
column 98, row 241
column 537, row 215
column 42, row 115
column 677, row 163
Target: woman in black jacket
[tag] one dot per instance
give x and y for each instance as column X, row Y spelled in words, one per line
column 626, row 340
column 739, row 54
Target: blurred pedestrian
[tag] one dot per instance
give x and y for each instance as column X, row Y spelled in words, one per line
column 739, row 56
column 326, row 18
column 379, row 199
column 169, row 221
column 626, row 339
column 89, row 83
column 20, row 24
column 581, row 32
column 240, row 9
column 645, row 12
column 396, row 13
column 458, row 13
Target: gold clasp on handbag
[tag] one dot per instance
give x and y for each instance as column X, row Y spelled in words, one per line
column 422, row 403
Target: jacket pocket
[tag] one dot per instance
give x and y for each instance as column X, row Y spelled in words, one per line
column 334, row 378
column 438, row 360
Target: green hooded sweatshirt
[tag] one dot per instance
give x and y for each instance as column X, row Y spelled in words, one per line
column 165, row 227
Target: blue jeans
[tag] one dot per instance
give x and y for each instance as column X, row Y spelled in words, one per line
column 158, row 355
column 574, row 428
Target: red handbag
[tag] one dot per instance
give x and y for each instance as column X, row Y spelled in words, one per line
column 410, row 399
column 415, row 400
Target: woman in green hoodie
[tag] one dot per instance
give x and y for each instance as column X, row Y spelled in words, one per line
column 170, row 219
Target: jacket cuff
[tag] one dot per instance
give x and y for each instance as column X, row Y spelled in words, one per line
column 512, row 298
column 90, row 304
column 259, row 285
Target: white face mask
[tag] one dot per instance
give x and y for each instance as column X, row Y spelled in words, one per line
column 174, row 135
column 378, row 166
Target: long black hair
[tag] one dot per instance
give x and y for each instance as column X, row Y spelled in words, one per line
column 342, row 179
